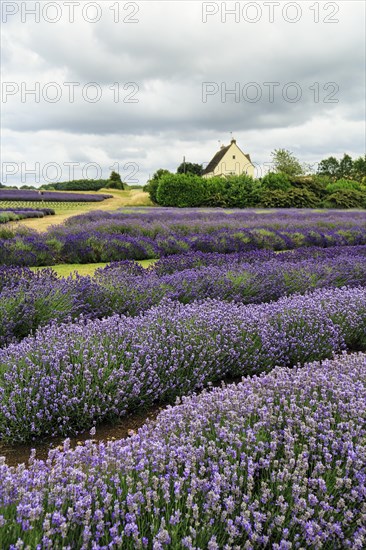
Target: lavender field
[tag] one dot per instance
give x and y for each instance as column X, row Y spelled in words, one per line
column 24, row 195
column 155, row 232
column 250, row 329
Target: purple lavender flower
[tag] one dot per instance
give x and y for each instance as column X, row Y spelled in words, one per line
column 67, row 378
column 251, row 461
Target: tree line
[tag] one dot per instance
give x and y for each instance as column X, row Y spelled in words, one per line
column 114, row 182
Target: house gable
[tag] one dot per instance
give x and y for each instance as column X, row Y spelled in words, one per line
column 230, row 160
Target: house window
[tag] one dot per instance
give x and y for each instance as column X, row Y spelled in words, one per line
column 233, row 156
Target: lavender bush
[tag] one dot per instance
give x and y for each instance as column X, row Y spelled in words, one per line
column 68, row 377
column 180, row 262
column 45, row 211
column 29, row 300
column 276, row 462
column 105, row 237
column 26, row 249
column 241, row 282
column 13, row 215
column 173, row 232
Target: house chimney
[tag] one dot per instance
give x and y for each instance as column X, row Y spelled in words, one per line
column 233, row 141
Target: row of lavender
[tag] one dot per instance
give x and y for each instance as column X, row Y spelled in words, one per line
column 153, row 221
column 16, row 214
column 103, row 237
column 49, row 196
column 180, row 262
column 275, row 462
column 68, row 377
column 29, row 300
column 44, row 249
column 261, row 281
column 44, row 211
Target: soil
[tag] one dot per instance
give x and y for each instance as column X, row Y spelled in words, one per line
column 18, row 454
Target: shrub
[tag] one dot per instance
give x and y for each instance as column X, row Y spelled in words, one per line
column 276, row 181
column 233, row 192
column 188, row 190
column 152, row 185
column 314, row 184
column 216, row 195
column 182, row 190
column 113, row 184
column 6, row 233
column 346, row 198
column 293, row 198
column 302, row 198
column 342, row 184
column 152, row 188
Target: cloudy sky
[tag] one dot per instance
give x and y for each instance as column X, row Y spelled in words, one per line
column 135, row 86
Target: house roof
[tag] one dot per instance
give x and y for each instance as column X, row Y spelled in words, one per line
column 216, row 160
column 219, row 156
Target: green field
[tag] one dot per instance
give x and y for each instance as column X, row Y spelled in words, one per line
column 64, row 270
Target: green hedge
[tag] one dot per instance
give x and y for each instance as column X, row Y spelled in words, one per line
column 233, row 192
column 346, row 198
column 274, row 182
column 293, row 198
column 182, row 190
column 342, row 184
column 272, row 191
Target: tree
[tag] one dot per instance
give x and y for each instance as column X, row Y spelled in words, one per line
column 285, row 162
column 159, row 174
column 115, row 182
column 359, row 168
column 346, row 167
column 329, row 167
column 190, row 168
column 115, row 177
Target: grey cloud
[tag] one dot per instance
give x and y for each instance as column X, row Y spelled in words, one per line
column 169, row 54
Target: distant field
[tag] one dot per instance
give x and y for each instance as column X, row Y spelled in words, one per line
column 63, row 210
